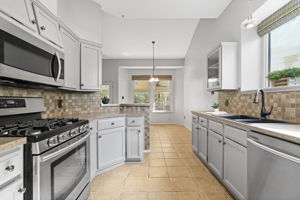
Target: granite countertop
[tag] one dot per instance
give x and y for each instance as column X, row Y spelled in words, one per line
column 7, row 143
column 125, row 105
column 289, row 132
column 103, row 115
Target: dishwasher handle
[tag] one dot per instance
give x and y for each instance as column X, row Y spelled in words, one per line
column 273, row 151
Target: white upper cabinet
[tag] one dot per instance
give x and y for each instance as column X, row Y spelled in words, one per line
column 48, row 26
column 51, row 5
column 21, row 11
column 222, row 67
column 71, row 47
column 91, row 67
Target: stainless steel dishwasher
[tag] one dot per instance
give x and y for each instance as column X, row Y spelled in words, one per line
column 273, row 168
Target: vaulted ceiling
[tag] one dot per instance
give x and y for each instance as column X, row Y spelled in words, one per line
column 129, row 26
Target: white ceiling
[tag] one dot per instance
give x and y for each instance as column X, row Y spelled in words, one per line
column 171, row 23
column 164, row 9
column 131, row 38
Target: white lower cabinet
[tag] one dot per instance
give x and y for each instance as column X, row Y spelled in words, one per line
column 11, row 174
column 134, row 144
column 235, row 168
column 195, row 135
column 13, row 192
column 215, row 153
column 111, row 147
column 202, row 144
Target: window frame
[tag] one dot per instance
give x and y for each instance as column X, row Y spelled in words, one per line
column 152, row 96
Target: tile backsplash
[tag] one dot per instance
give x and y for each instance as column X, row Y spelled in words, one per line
column 286, row 104
column 74, row 104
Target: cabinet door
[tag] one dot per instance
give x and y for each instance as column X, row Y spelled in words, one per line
column 135, row 144
column 21, row 11
column 195, row 135
column 13, row 191
column 93, row 148
column 111, row 147
column 202, row 148
column 235, row 168
column 91, row 67
column 48, row 26
column 72, row 59
column 215, row 153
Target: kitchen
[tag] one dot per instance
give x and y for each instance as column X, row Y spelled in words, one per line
column 142, row 100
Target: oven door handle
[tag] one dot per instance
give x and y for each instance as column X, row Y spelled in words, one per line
column 61, row 151
column 275, row 152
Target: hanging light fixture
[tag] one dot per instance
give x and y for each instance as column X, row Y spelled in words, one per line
column 153, row 78
column 249, row 23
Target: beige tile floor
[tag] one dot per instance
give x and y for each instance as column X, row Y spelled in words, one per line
column 170, row 172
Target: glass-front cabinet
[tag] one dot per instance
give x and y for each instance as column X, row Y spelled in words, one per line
column 214, row 69
column 222, row 67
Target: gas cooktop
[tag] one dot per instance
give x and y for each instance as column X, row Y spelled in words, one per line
column 39, row 129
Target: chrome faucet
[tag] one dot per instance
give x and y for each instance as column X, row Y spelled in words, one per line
column 263, row 111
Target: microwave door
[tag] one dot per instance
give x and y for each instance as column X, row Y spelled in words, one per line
column 21, row 60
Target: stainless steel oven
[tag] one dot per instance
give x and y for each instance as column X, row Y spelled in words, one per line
column 25, row 57
column 63, row 173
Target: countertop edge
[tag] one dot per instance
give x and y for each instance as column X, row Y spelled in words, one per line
column 248, row 127
column 7, row 143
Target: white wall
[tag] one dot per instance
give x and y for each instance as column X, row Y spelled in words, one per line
column 126, row 90
column 208, row 35
column 110, row 69
column 83, row 17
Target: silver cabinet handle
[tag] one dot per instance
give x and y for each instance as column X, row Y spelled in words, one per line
column 43, row 28
column 33, row 21
column 112, row 123
column 139, row 131
column 275, row 152
column 22, row 190
column 100, row 136
column 220, row 141
column 91, row 128
column 10, row 168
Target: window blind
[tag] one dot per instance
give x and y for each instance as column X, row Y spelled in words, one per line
column 147, row 77
column 281, row 16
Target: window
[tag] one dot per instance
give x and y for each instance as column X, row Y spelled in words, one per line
column 284, row 46
column 159, row 94
column 162, row 96
column 141, row 91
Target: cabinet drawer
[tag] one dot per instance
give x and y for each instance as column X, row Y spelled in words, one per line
column 11, row 166
column 13, row 191
column 195, row 120
column 235, row 134
column 135, row 121
column 203, row 121
column 215, row 126
column 104, row 124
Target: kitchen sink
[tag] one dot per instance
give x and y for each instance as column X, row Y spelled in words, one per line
column 253, row 120
column 246, row 119
column 233, row 117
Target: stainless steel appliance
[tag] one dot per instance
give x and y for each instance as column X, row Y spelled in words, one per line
column 27, row 58
column 273, row 168
column 56, row 157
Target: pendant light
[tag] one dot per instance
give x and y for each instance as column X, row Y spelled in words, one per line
column 153, row 78
column 249, row 23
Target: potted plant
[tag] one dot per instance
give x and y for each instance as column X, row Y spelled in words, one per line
column 216, row 106
column 286, row 77
column 105, row 100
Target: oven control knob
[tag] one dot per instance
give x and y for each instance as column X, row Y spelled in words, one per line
column 82, row 129
column 52, row 141
column 73, row 132
column 87, row 127
column 61, row 138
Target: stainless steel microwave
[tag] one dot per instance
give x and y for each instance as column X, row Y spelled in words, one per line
column 24, row 57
